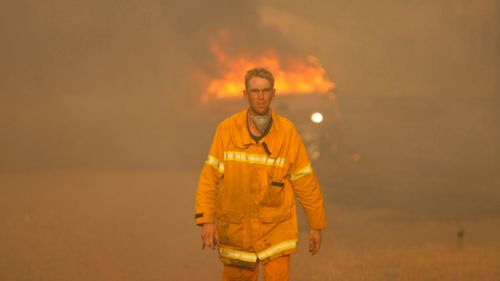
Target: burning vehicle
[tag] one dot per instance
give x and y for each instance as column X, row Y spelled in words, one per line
column 304, row 94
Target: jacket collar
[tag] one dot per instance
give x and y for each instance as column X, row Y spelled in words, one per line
column 246, row 139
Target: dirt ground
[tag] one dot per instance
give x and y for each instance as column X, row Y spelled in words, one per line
column 68, row 225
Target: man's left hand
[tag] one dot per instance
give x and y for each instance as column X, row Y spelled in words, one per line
column 314, row 241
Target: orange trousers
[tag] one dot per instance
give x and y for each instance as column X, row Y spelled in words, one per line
column 275, row 270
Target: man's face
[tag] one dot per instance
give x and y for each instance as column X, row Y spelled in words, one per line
column 259, row 93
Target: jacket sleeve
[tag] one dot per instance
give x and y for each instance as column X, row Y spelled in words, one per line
column 305, row 184
column 210, row 177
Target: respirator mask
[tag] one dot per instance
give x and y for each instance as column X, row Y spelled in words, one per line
column 261, row 121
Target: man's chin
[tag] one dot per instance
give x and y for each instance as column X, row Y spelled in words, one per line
column 260, row 111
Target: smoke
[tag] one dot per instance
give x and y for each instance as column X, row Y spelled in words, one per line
column 107, row 84
column 112, row 85
column 387, row 48
column 82, row 84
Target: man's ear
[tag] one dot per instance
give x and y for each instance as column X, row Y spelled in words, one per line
column 244, row 93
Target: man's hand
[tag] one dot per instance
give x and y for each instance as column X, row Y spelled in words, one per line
column 314, row 241
column 209, row 235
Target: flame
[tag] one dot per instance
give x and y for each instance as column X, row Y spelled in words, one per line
column 293, row 75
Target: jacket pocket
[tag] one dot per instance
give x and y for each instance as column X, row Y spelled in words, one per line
column 275, row 216
column 230, row 228
column 274, row 194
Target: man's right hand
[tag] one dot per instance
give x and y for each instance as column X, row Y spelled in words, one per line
column 209, row 235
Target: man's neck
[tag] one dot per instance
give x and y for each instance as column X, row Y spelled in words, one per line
column 251, row 124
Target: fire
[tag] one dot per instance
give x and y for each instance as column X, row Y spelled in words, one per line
column 293, row 75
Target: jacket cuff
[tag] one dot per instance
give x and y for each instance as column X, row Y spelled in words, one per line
column 201, row 218
column 318, row 221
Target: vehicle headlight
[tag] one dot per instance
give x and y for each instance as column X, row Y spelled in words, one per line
column 317, row 117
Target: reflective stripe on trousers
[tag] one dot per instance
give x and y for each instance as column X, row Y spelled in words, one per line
column 262, row 255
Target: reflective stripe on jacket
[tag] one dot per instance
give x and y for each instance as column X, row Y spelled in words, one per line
column 248, row 189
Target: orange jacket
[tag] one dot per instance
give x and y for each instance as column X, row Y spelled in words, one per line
column 248, row 189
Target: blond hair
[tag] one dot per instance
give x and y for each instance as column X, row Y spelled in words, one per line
column 259, row 72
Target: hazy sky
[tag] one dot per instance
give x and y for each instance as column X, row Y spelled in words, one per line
column 110, row 84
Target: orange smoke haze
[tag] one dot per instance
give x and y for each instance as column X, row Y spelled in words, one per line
column 293, row 74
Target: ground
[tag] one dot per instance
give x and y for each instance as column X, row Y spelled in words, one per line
column 76, row 225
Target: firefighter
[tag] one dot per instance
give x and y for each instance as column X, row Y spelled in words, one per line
column 245, row 201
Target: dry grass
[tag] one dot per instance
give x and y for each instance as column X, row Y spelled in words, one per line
column 378, row 244
column 430, row 262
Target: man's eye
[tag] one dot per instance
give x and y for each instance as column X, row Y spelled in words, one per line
column 264, row 91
